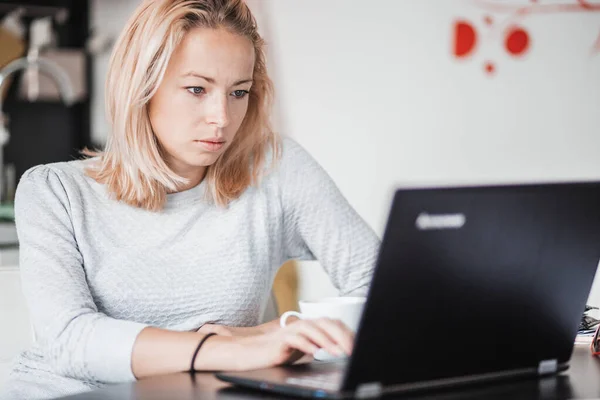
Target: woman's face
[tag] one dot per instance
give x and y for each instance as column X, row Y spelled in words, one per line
column 203, row 98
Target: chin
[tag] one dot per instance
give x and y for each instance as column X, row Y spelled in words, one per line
column 204, row 160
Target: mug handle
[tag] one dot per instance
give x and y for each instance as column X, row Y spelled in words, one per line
column 286, row 315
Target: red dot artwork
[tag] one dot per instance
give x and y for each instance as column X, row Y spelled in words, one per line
column 465, row 39
column 500, row 21
column 517, row 41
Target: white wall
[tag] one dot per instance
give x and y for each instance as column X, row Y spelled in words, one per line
column 372, row 90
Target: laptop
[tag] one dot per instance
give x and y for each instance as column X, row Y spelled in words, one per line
column 472, row 284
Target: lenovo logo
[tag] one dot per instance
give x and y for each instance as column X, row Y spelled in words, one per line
column 441, row 221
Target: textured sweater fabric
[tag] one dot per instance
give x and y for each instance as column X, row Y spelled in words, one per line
column 96, row 271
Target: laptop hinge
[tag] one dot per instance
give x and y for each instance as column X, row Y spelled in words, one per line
column 367, row 390
column 547, row 367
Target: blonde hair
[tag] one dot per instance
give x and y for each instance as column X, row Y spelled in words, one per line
column 131, row 165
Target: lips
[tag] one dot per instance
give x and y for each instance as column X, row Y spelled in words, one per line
column 210, row 144
column 211, row 140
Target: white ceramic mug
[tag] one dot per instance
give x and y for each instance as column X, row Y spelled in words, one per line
column 346, row 309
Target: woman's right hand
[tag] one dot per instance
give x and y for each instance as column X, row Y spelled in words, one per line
column 289, row 344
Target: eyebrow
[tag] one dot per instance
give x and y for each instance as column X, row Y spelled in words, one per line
column 212, row 80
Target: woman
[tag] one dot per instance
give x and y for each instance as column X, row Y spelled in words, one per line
column 129, row 258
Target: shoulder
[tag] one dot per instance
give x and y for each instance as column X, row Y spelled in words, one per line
column 292, row 152
column 291, row 157
column 69, row 173
column 56, row 179
column 298, row 175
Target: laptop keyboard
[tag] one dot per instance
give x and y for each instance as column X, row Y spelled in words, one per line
column 329, row 380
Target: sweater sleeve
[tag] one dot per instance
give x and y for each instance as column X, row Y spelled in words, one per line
column 81, row 342
column 320, row 224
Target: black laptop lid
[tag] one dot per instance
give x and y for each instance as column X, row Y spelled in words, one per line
column 478, row 280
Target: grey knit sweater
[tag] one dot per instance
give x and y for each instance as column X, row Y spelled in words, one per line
column 95, row 272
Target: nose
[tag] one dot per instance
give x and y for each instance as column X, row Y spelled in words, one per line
column 218, row 111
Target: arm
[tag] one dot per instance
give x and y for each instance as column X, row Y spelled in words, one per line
column 79, row 341
column 159, row 351
column 320, row 223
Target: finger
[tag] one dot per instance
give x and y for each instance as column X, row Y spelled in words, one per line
column 319, row 336
column 301, row 343
column 338, row 332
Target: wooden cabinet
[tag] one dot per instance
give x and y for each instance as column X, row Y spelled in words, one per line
column 15, row 328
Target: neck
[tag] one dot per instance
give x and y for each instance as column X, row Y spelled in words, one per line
column 193, row 175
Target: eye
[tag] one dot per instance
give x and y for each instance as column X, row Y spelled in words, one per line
column 196, row 90
column 238, row 94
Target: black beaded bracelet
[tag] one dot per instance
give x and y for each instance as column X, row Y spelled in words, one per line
column 198, row 349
